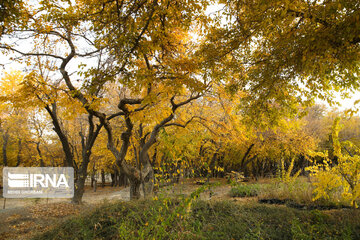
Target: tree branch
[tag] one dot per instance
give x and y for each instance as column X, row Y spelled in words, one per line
column 183, row 125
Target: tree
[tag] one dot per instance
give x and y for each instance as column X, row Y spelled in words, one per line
column 13, row 120
column 143, row 45
column 134, row 67
column 46, row 97
column 10, row 12
column 281, row 53
column 59, row 106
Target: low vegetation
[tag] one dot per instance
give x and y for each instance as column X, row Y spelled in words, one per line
column 244, row 190
column 162, row 219
column 298, row 194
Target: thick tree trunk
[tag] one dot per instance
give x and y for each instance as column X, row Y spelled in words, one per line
column 148, row 184
column 81, row 177
column 121, row 179
column 135, row 189
column 79, row 189
column 125, row 180
column 146, row 174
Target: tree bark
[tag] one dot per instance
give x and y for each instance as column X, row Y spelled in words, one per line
column 4, row 147
column 102, row 178
column 86, row 143
column 112, row 179
column 40, row 154
column 135, row 189
column 147, row 179
column 243, row 160
column 92, row 179
column 79, row 188
column 117, row 177
column 18, row 158
column 69, row 157
column 81, row 178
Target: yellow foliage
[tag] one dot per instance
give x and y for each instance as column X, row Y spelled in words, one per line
column 343, row 177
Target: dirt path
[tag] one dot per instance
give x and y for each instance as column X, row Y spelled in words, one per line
column 89, row 197
column 110, row 193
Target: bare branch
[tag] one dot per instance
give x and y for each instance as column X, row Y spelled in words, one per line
column 30, row 53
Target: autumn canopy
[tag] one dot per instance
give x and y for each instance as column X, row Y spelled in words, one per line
column 149, row 91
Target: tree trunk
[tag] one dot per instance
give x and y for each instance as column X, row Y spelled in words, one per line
column 102, row 178
column 134, row 189
column 121, row 180
column 116, row 178
column 18, row 161
column 81, row 177
column 148, row 184
column 243, row 160
column 40, row 154
column 4, row 147
column 95, row 185
column 69, row 157
column 79, row 189
column 92, row 179
column 113, row 179
column 125, row 180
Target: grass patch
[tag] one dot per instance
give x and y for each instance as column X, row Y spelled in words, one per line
column 245, row 190
column 159, row 219
column 299, row 192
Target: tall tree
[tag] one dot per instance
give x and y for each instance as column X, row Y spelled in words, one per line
column 284, row 52
column 143, row 45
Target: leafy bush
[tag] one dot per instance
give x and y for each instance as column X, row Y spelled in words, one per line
column 340, row 179
column 245, row 190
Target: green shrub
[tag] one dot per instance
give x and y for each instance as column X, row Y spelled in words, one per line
column 206, row 220
column 183, row 218
column 245, row 190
